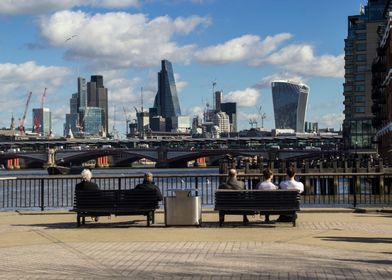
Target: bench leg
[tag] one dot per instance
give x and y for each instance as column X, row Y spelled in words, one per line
column 83, row 220
column 153, row 217
column 148, row 218
column 221, row 219
column 78, row 220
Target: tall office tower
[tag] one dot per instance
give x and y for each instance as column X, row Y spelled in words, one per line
column 382, row 87
column 143, row 122
column 91, row 120
column 290, row 100
column 218, row 97
column 360, row 51
column 166, row 99
column 72, row 119
column 230, row 108
column 82, row 92
column 42, row 120
column 97, row 96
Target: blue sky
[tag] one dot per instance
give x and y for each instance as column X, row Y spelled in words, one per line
column 242, row 45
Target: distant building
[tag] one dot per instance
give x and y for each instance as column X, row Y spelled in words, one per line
column 42, row 121
column 218, row 100
column 166, row 100
column 290, row 100
column 97, row 96
column 92, row 121
column 230, row 108
column 157, row 123
column 143, row 121
column 221, row 120
column 180, row 124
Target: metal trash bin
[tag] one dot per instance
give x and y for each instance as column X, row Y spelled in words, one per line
column 183, row 209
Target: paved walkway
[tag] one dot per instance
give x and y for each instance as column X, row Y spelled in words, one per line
column 323, row 246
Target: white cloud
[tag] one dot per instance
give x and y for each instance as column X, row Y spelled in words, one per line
column 245, row 48
column 10, row 7
column 332, row 120
column 180, row 84
column 266, row 81
column 244, row 98
column 120, row 39
column 300, row 59
column 195, row 111
column 18, row 79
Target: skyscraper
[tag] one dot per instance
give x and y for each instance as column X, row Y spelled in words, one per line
column 360, row 51
column 82, row 92
column 97, row 96
column 166, row 100
column 290, row 100
column 230, row 108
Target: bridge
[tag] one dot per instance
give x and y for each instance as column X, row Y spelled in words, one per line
column 162, row 156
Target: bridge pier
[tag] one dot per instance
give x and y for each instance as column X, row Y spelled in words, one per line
column 103, row 161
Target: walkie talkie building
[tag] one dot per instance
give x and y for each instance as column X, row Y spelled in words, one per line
column 290, row 100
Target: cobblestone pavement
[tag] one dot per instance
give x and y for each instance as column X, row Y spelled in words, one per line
column 339, row 246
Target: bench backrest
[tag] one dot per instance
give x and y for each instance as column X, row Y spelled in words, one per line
column 115, row 199
column 257, row 199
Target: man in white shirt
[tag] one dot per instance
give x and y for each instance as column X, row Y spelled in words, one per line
column 290, row 183
column 267, row 185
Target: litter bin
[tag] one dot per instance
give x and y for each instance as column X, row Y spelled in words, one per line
column 183, row 209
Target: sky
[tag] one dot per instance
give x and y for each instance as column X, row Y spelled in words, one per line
column 239, row 45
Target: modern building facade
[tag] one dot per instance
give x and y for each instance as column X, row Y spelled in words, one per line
column 290, row 101
column 166, row 100
column 42, row 121
column 221, row 120
column 97, row 96
column 360, row 51
column 91, row 121
column 230, row 108
column 382, row 88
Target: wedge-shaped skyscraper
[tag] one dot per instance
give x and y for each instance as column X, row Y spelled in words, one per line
column 290, row 100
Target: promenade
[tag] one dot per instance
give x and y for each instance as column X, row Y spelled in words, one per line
column 326, row 244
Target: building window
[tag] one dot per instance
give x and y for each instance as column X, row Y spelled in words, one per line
column 349, row 79
column 360, row 88
column 360, row 77
column 361, row 57
column 361, row 47
column 361, row 68
column 359, row 109
column 361, row 36
column 360, row 98
column 348, row 88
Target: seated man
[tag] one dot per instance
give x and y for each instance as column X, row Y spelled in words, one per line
column 290, row 184
column 87, row 185
column 233, row 184
column 148, row 184
column 267, row 185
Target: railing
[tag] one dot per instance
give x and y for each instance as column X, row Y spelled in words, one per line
column 321, row 189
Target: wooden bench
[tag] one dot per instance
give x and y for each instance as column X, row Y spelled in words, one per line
column 251, row 202
column 117, row 202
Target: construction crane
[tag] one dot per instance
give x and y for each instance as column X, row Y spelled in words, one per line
column 37, row 116
column 127, row 119
column 23, row 118
column 253, row 121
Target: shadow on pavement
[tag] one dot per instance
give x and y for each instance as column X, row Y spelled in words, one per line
column 90, row 224
column 357, row 239
column 383, row 262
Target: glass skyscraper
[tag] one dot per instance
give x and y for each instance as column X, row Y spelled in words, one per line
column 166, row 101
column 42, row 119
column 290, row 100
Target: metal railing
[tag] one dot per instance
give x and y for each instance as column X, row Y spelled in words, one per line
column 321, row 189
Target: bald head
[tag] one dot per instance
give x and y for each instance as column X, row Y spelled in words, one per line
column 232, row 173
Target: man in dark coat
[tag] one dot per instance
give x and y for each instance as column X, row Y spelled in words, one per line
column 86, row 184
column 148, row 184
column 233, row 184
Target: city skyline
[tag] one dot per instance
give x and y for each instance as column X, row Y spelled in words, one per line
column 241, row 48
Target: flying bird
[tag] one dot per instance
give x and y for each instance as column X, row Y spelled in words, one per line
column 73, row 36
